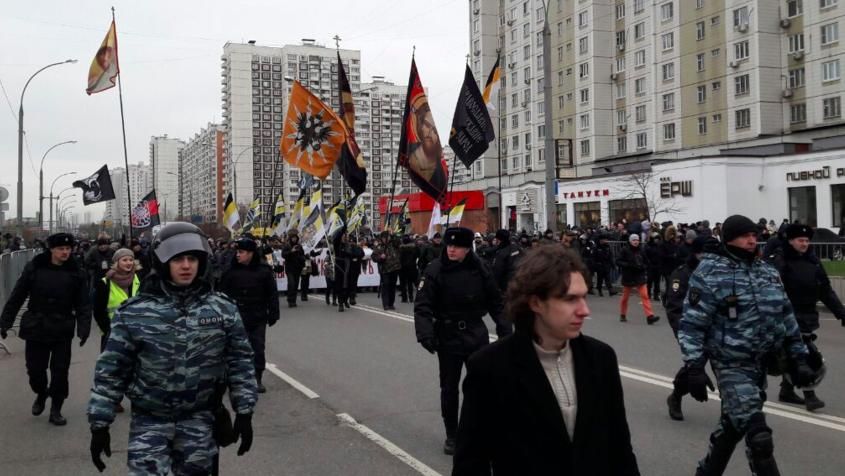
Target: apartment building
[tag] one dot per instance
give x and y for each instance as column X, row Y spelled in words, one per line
column 140, row 184
column 164, row 161
column 202, row 176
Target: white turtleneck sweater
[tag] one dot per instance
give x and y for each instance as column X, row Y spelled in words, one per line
column 561, row 374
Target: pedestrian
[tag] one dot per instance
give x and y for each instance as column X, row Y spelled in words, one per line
column 548, row 399
column 431, row 252
column 294, row 257
column 120, row 283
column 655, row 265
column 358, row 259
column 633, row 265
column 806, row 283
column 59, row 304
column 602, row 262
column 172, row 348
column 408, row 255
column 250, row 282
column 505, row 259
column 456, row 291
column 98, row 259
column 387, row 256
column 735, row 313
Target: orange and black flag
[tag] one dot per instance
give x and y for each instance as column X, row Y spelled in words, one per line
column 313, row 136
column 419, row 146
column 104, row 68
column 351, row 164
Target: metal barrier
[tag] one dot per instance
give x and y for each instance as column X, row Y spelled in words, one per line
column 11, row 267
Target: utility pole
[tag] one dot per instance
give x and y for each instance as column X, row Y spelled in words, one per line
column 551, row 163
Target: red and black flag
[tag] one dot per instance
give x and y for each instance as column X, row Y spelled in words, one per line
column 351, row 163
column 472, row 129
column 419, row 146
column 145, row 214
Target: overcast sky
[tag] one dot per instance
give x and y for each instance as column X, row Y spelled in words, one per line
column 170, row 64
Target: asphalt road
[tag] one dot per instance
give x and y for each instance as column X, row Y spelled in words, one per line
column 364, row 364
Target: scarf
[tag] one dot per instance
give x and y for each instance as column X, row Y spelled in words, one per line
column 122, row 278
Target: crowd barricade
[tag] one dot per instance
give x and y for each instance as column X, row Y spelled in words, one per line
column 11, row 267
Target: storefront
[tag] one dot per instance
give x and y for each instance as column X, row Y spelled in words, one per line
column 524, row 208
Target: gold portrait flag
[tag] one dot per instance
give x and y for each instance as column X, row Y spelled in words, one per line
column 104, row 68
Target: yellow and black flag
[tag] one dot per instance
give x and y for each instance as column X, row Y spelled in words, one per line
column 472, row 129
column 231, row 217
column 351, row 163
column 492, row 81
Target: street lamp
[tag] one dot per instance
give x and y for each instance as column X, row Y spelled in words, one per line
column 235, row 173
column 41, row 183
column 20, row 138
column 65, row 209
column 51, row 197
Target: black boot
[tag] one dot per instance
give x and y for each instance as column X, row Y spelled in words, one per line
column 327, row 299
column 652, row 319
column 722, row 445
column 56, row 417
column 812, row 401
column 38, row 405
column 340, row 306
column 449, row 446
column 622, row 318
column 787, row 394
column 261, row 387
column 352, row 301
column 674, row 403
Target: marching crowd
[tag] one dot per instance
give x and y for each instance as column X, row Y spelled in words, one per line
column 183, row 321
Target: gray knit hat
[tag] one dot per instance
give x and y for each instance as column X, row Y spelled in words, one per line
column 121, row 253
column 691, row 235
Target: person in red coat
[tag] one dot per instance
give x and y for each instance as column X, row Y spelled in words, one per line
column 547, row 399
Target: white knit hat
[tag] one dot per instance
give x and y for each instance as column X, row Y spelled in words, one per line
column 633, row 237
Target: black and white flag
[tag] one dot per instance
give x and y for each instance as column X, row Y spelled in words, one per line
column 96, row 188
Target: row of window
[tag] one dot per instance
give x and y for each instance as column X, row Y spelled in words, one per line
column 795, row 8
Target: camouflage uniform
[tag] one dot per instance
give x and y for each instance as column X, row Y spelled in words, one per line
column 168, row 350
column 736, row 342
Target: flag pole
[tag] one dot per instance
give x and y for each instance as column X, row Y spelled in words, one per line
column 396, row 164
column 123, row 127
column 273, row 197
column 499, row 146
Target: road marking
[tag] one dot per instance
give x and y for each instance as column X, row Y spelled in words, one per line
column 794, row 413
column 396, row 451
column 292, row 382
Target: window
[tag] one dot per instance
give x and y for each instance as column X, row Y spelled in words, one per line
column 699, row 30
column 639, row 6
column 667, row 11
column 699, row 4
column 701, row 94
column 620, row 64
column 741, row 50
column 717, row 118
column 515, row 142
column 584, row 70
column 797, row 113
column 827, row 3
column 526, row 32
column 714, row 21
column 639, row 86
column 740, row 17
column 584, row 121
column 627, row 209
column 668, row 71
column 714, row 52
column 794, row 8
column 620, row 39
column 639, row 58
column 796, row 78
column 668, row 40
column 620, row 90
column 640, row 113
column 717, row 85
column 669, row 132
column 741, row 85
column 702, row 125
column 585, row 96
column 802, row 205
column 620, row 11
column 642, row 140
column 584, row 45
column 830, row 70
column 832, row 107
column 588, row 214
column 526, row 52
column 830, row 33
column 837, row 196
column 639, row 31
column 621, row 117
column 515, row 120
column 669, row 102
column 621, row 144
column 743, row 118
column 584, row 19
column 585, row 148
column 699, row 62
column 796, row 42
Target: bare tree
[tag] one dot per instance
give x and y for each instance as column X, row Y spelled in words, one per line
column 644, row 186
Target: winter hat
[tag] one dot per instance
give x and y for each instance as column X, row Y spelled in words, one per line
column 459, row 236
column 121, row 253
column 59, row 239
column 633, row 237
column 503, row 235
column 246, row 244
column 736, row 226
column 691, row 235
column 798, row 231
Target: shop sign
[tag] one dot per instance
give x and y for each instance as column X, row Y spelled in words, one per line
column 669, row 189
column 527, row 201
column 587, row 194
column 818, row 174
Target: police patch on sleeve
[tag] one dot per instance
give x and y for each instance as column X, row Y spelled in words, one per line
column 422, row 282
column 694, row 296
column 676, row 284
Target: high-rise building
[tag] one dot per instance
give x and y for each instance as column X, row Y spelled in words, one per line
column 140, row 184
column 255, row 90
column 202, row 176
column 164, row 161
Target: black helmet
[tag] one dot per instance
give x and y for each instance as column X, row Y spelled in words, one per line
column 177, row 238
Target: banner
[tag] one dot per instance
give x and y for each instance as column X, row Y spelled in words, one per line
column 231, row 217
column 472, row 129
column 435, row 220
column 96, row 188
column 351, row 164
column 104, row 67
column 145, row 214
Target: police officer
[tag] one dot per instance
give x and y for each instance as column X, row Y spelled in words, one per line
column 59, row 305
column 506, row 255
column 455, row 292
column 250, row 282
column 736, row 311
column 171, row 349
column 806, row 283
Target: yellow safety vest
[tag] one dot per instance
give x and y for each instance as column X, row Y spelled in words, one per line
column 117, row 295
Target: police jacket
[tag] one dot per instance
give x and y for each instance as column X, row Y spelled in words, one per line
column 632, row 264
column 602, row 259
column 169, row 350
column 653, row 257
column 505, row 259
column 761, row 320
column 453, row 296
column 294, row 257
column 669, row 257
column 408, row 254
column 253, row 288
column 806, row 283
column 58, row 304
column 677, row 292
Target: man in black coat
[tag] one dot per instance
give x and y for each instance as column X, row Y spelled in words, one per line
column 655, row 264
column 408, row 255
column 455, row 292
column 633, row 264
column 505, row 258
column 294, row 257
column 251, row 283
column 98, row 260
column 806, row 283
column 602, row 263
column 547, row 399
column 59, row 304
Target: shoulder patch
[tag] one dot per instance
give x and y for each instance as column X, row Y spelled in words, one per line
column 422, row 283
column 676, row 284
column 694, row 296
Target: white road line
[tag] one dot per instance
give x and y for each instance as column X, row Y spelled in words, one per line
column 396, row 451
column 794, row 413
column 292, row 382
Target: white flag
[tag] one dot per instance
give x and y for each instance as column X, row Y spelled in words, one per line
column 435, row 220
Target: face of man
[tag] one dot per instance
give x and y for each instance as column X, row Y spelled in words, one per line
column 801, row 244
column 635, row 243
column 747, row 242
column 60, row 254
column 244, row 256
column 126, row 264
column 561, row 318
column 102, row 248
column 184, row 269
column 437, row 241
column 456, row 253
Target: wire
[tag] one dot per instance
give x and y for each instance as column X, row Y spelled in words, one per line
column 11, row 109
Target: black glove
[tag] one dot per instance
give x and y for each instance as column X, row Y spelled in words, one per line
column 429, row 344
column 100, row 443
column 698, row 382
column 82, row 340
column 243, row 430
column 3, row 333
column 802, row 374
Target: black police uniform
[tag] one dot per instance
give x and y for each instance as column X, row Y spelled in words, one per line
column 294, row 263
column 59, row 305
column 453, row 296
column 505, row 258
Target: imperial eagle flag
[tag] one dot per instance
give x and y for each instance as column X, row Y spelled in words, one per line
column 252, row 216
column 96, row 188
column 351, row 164
column 472, row 129
column 104, row 68
column 313, row 135
column 145, row 214
column 419, row 145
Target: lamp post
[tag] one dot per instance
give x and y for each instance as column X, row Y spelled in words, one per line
column 20, row 138
column 235, row 174
column 61, row 213
column 51, row 197
column 41, row 183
